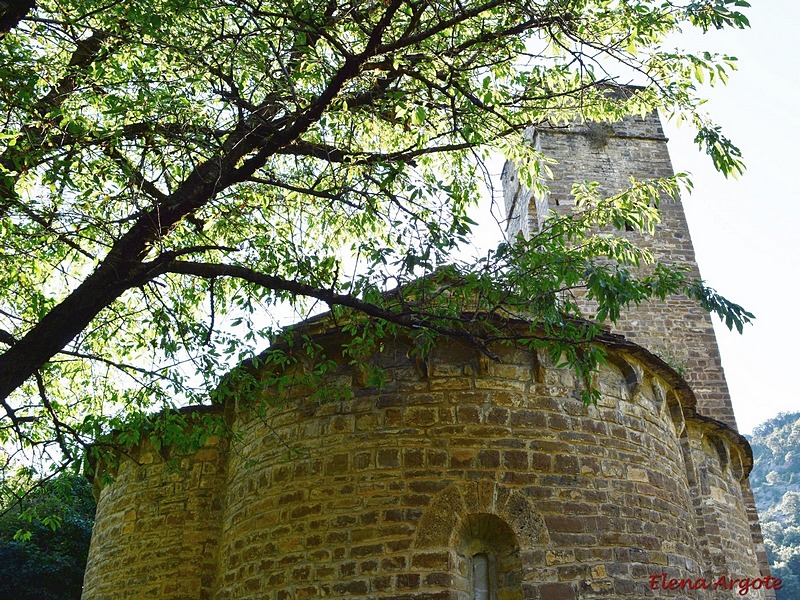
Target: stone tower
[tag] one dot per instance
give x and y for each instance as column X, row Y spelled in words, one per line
column 461, row 478
column 677, row 330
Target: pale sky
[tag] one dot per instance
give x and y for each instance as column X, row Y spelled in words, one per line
column 745, row 232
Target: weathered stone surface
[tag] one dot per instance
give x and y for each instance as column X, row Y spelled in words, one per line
column 374, row 514
column 393, row 494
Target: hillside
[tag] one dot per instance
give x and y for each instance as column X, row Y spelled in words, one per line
column 776, row 484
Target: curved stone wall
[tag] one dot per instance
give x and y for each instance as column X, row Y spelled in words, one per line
column 366, row 497
column 459, row 473
column 156, row 530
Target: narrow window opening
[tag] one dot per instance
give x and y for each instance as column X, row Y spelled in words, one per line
column 488, row 566
column 480, row 577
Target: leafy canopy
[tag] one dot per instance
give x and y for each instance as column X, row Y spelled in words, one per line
column 44, row 539
column 174, row 172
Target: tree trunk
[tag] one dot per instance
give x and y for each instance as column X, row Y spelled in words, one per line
column 11, row 12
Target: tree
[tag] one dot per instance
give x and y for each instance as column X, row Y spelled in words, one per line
column 44, row 541
column 773, row 476
column 171, row 169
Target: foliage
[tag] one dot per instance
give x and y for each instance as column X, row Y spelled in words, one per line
column 776, row 486
column 44, row 540
column 174, row 173
column 776, row 468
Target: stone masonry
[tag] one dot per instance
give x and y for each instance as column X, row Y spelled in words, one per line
column 463, row 478
column 677, row 330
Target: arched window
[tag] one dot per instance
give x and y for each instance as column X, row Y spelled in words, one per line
column 488, row 557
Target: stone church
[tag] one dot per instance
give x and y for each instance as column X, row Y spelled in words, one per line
column 468, row 479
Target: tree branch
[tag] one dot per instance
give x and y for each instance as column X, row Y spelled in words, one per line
column 122, row 268
column 406, row 319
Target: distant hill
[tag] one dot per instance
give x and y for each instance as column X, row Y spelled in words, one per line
column 776, row 484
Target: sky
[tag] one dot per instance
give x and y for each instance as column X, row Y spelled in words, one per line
column 745, row 231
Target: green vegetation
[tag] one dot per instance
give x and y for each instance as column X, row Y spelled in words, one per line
column 776, row 485
column 44, row 540
column 174, row 173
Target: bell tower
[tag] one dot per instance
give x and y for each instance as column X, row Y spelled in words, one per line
column 677, row 330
